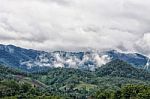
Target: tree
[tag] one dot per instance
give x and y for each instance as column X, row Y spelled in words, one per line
column 26, row 87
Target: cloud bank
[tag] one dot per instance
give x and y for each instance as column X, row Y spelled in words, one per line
column 76, row 24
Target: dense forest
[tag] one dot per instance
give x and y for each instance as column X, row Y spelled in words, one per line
column 115, row 80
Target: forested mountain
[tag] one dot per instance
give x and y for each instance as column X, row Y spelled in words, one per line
column 29, row 74
column 33, row 60
column 109, row 81
column 119, row 68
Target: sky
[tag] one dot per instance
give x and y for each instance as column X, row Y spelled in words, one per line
column 76, row 24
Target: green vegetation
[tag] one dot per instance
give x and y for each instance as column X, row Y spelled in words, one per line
column 118, row 68
column 126, row 92
column 115, row 80
column 15, row 84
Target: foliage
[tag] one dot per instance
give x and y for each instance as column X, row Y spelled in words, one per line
column 126, row 92
column 115, row 80
column 120, row 68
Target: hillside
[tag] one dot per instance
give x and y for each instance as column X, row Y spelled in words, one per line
column 15, row 82
column 109, row 77
column 69, row 83
column 119, row 68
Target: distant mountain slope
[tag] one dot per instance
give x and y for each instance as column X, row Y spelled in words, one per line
column 13, row 56
column 136, row 59
column 33, row 60
column 119, row 68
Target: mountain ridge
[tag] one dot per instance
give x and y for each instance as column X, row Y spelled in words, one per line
column 29, row 59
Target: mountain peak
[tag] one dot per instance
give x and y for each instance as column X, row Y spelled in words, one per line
column 122, row 69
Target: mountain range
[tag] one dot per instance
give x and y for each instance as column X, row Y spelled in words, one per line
column 94, row 74
column 32, row 60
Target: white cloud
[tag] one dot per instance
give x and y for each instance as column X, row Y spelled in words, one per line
column 143, row 44
column 101, row 60
column 76, row 24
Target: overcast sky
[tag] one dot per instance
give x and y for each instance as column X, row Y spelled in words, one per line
column 76, row 24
